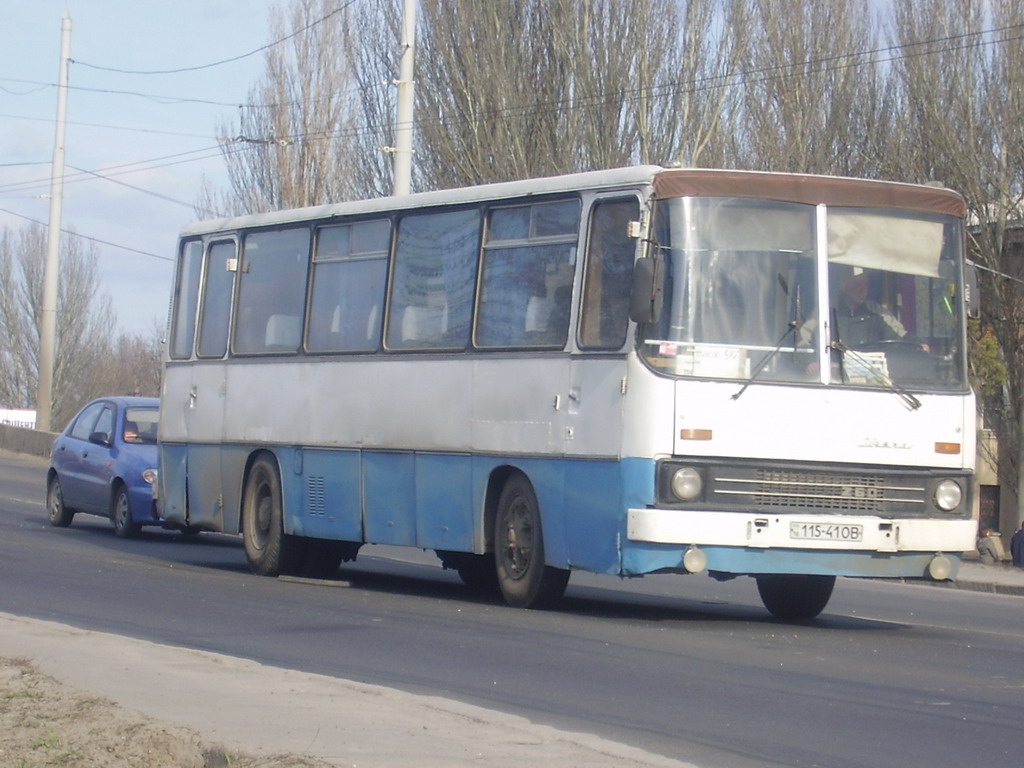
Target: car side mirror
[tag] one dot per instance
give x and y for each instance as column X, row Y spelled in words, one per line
column 646, row 297
column 100, row 438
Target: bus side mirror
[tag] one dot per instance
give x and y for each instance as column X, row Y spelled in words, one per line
column 645, row 300
column 972, row 296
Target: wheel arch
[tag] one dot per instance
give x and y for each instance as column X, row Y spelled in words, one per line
column 496, row 481
column 116, row 483
column 254, row 455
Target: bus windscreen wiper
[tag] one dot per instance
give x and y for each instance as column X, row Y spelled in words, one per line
column 878, row 377
column 791, row 327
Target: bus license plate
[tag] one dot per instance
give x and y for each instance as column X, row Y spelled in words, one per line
column 826, row 531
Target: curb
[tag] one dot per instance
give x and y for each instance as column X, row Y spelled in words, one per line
column 1016, row 590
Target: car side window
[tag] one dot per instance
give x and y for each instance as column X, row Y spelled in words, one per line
column 105, row 423
column 86, row 421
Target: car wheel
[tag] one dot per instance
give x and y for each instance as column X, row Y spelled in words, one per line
column 58, row 513
column 269, row 550
column 121, row 515
column 523, row 576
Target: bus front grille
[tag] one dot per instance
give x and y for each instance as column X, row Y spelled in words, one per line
column 819, row 491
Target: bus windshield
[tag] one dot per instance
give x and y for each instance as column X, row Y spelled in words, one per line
column 743, row 280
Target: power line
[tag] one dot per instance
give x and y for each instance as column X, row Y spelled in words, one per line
column 90, row 239
column 158, row 98
column 178, row 158
column 730, row 80
column 179, row 70
column 139, row 189
column 108, row 127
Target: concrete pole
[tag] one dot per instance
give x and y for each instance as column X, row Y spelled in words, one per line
column 406, row 102
column 51, row 271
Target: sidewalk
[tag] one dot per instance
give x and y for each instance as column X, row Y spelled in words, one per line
column 1001, row 579
column 259, row 709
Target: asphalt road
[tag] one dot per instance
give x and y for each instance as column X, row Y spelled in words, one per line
column 890, row 675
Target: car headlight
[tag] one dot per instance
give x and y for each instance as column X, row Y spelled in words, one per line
column 687, row 483
column 948, row 495
column 149, row 475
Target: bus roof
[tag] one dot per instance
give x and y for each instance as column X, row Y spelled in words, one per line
column 633, row 175
column 667, row 183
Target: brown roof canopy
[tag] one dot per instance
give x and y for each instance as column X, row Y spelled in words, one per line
column 812, row 190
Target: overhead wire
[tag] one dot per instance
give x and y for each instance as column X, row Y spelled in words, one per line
column 73, row 233
column 221, row 62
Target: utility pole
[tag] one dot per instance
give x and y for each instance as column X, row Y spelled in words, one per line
column 51, row 272
column 406, row 102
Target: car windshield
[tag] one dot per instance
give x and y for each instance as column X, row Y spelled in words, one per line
column 140, row 424
column 743, row 280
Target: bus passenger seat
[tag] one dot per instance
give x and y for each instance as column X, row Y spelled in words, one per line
column 424, row 323
column 538, row 314
column 283, row 332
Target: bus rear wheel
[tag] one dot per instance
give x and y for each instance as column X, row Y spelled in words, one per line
column 524, row 578
column 269, row 550
column 795, row 597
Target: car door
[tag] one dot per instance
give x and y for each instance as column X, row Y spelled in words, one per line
column 70, row 450
column 97, row 462
column 82, row 460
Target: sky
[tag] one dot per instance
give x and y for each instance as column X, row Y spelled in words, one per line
column 154, row 132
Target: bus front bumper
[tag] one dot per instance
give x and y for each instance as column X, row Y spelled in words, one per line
column 748, row 543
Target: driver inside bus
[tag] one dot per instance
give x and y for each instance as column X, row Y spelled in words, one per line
column 861, row 321
column 858, row 321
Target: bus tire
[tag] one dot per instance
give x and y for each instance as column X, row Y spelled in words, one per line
column 477, row 572
column 525, row 580
column 269, row 550
column 795, row 597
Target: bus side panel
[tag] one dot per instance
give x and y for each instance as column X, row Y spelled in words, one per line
column 389, row 481
column 173, row 476
column 597, row 495
column 593, row 513
column 205, row 490
column 444, row 504
column 327, row 498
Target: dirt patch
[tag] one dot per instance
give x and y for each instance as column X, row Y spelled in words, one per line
column 46, row 723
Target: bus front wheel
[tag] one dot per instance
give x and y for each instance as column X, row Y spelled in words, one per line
column 269, row 550
column 795, row 597
column 524, row 578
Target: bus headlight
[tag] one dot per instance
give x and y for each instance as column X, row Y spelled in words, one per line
column 149, row 475
column 687, row 483
column 948, row 495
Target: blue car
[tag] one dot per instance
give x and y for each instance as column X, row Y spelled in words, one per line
column 105, row 463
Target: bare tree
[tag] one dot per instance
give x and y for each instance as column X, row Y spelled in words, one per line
column 519, row 88
column 813, row 98
column 84, row 317
column 290, row 146
column 962, row 78
column 135, row 364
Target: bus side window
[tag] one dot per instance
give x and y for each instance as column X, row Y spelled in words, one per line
column 526, row 285
column 216, row 301
column 349, row 279
column 186, row 299
column 272, row 291
column 606, row 282
column 435, row 272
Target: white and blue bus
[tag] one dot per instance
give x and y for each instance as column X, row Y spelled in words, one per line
column 631, row 371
